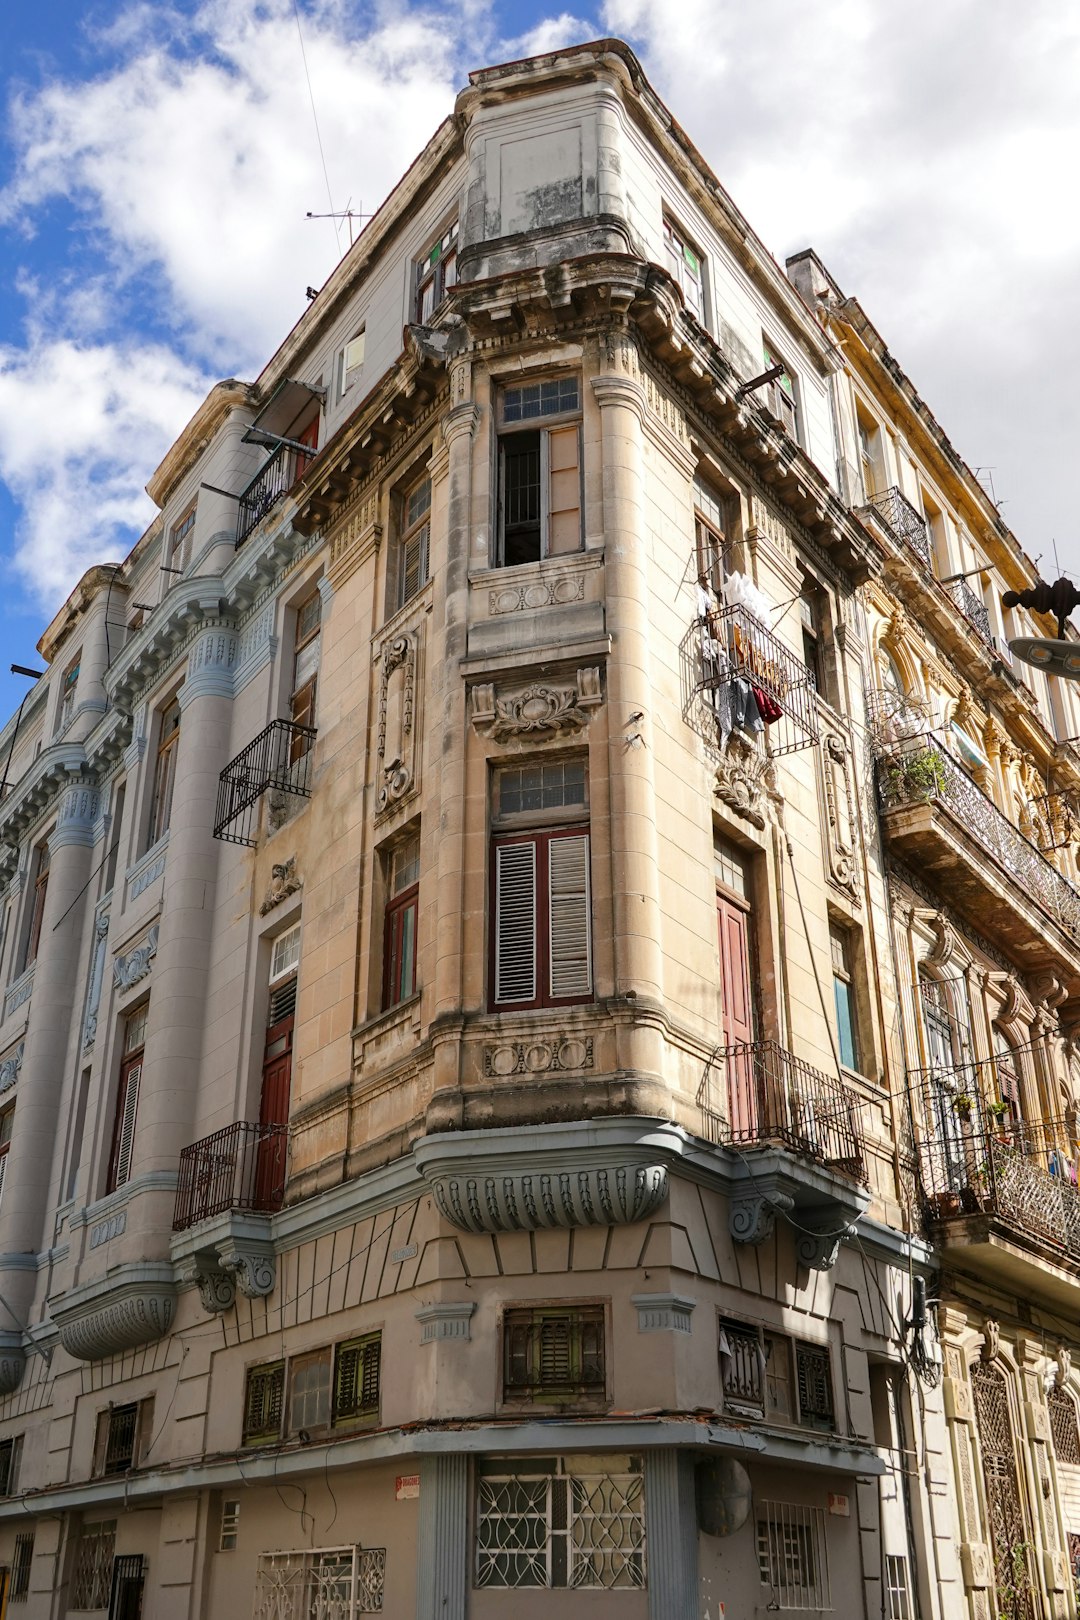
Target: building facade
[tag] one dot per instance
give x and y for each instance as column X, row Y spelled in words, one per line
column 537, row 937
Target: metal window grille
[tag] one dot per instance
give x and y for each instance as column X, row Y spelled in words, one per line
column 20, row 1567
column 230, row 1526
column 562, row 1529
column 554, row 1351
column 356, row 1378
column 793, row 1557
column 123, row 1422
column 897, row 1591
column 324, row 1583
column 263, row 1402
column 10, row 1451
column 742, row 1368
column 1063, row 1426
column 813, row 1378
column 125, row 1601
column 92, row 1577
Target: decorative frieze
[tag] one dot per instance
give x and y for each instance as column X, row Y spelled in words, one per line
column 20, row 992
column 524, row 1201
column 106, row 1230
column 285, row 880
column 746, row 781
column 554, row 590
column 561, row 1053
column 10, row 1066
column 663, row 1313
column 129, row 969
column 211, row 662
column 97, row 974
column 448, row 1320
column 256, row 646
column 537, row 712
column 147, row 870
column 217, row 1289
column 80, row 807
column 397, row 754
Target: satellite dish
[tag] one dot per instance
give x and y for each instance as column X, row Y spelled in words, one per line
column 723, row 1494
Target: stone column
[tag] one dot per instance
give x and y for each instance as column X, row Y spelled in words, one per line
column 450, row 731
column 671, row 1535
column 442, row 1538
column 38, row 1125
column 635, row 881
column 167, row 1090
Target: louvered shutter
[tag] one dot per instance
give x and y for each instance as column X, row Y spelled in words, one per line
column 128, row 1103
column 564, row 490
column 569, row 922
column 414, row 561
column 3, row 1174
column 556, row 1358
column 515, row 922
column 264, row 1403
column 357, row 1378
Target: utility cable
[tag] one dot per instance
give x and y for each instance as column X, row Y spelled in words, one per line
column 315, row 120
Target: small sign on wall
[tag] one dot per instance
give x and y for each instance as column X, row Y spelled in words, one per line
column 840, row 1505
column 406, row 1486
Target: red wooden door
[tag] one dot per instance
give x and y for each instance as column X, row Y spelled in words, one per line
column 274, row 1110
column 310, row 437
column 736, row 1013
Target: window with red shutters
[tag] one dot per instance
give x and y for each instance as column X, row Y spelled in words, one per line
column 541, row 934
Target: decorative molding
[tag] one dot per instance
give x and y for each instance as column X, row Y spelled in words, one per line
column 525, row 1201
column 752, row 1217
column 537, row 711
column 108, row 1229
column 557, row 590
column 80, row 807
column 97, row 975
column 449, row 1320
column 284, row 881
column 133, row 1305
column 20, row 992
column 663, row 1313
column 147, row 869
column 991, row 1344
column 129, row 969
column 210, row 666
column 251, row 1263
column 746, row 781
column 563, row 1053
column 397, row 743
column 10, row 1066
column 217, row 1289
column 839, row 813
column 12, row 1360
column 817, row 1251
column 256, row 646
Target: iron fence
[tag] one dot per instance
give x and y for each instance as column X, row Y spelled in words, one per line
column 240, row 1167
column 274, row 479
column 279, row 759
column 972, row 607
column 760, row 1094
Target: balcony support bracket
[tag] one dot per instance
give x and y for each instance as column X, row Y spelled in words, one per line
column 217, row 1289
column 752, row 1218
column 251, row 1262
column 225, row 1255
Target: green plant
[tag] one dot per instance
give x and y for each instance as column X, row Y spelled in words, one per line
column 963, row 1102
column 1013, row 1582
column 998, row 1109
column 918, row 775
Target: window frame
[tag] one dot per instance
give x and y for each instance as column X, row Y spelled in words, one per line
column 321, row 1398
column 842, row 963
column 164, row 785
column 541, row 839
column 580, row 1318
column 273, row 1375
column 42, row 866
column 368, row 1346
column 10, row 1459
column 128, row 1088
column 782, row 402
column 69, row 685
column 141, row 1413
column 412, row 533
column 350, row 374
column 711, row 543
column 677, row 244
column 432, row 273
column 179, row 538
column 401, row 910
column 540, row 425
column 304, row 694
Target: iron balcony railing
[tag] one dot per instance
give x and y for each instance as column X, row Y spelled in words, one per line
column 279, row 759
column 760, row 1095
column 750, row 679
column 972, row 607
column 921, row 771
column 240, row 1167
column 903, row 521
column 274, row 479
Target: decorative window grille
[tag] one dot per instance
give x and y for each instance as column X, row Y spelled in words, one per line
column 230, row 1526
column 10, row 1455
column 742, row 1368
column 792, row 1556
column 561, row 1522
column 897, row 1590
column 356, row 1378
column 813, row 1379
column 264, row 1400
column 20, row 1567
column 328, row 1583
column 92, row 1576
column 128, row 1576
column 553, row 1351
column 1063, row 1426
column 117, row 1437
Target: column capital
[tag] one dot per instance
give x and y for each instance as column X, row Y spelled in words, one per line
column 211, row 663
column 79, row 808
column 461, row 420
column 615, row 389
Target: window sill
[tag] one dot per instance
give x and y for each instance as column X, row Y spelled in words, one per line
column 402, row 1012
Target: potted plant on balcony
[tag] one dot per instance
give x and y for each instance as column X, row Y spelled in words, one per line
column 963, row 1103
column 916, row 775
column 999, row 1114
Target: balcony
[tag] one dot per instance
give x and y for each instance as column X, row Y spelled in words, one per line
column 945, row 826
column 749, row 681
column 278, row 760
column 239, row 1168
column 972, row 607
column 274, row 479
column 903, row 522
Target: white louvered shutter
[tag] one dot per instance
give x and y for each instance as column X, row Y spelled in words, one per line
column 3, row 1174
column 570, row 935
column 129, row 1103
column 515, row 923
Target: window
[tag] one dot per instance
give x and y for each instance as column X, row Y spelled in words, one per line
column 561, row 1522
column 309, row 1392
column 127, row 1098
column 1063, row 1426
column 305, row 670
column 10, row 1456
column 779, row 397
column 7, row 1123
column 116, row 824
column 756, row 1376
column 539, row 471
column 870, row 466
column 20, row 1567
column 399, row 934
column 897, row 1590
column 436, row 273
column 810, row 621
column 742, row 1368
column 1010, row 1091
column 357, row 1372
column 840, row 944
column 165, row 771
column 710, row 542
column 792, row 1557
column 91, row 1578
column 180, row 541
column 414, row 544
column 321, row 1582
column 541, row 941
column 686, row 265
column 124, row 1434
column 553, row 1350
column 37, row 908
column 351, row 361
column 230, row 1525
column 67, row 694
column 813, row 1381
column 286, row 953
column 264, row 1399
column 309, row 437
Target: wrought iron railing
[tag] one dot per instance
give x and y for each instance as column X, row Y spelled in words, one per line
column 760, row 1094
column 972, row 607
column 240, row 1167
column 903, row 521
column 279, row 758
column 894, row 717
column 921, row 771
column 275, row 478
column 750, row 679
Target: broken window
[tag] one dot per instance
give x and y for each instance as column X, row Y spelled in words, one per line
column 540, row 504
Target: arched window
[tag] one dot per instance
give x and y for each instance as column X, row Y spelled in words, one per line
column 1063, row 1426
column 1007, row 1064
column 893, row 681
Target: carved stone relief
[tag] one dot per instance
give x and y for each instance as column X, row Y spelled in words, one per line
column 397, row 751
column 537, row 712
column 129, row 969
column 284, row 881
column 97, row 974
column 839, row 819
column 10, row 1066
column 554, row 591
column 570, row 1052
column 746, row 781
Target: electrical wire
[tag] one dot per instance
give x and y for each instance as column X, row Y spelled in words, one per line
column 315, row 120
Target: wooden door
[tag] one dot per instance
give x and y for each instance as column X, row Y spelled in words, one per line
column 274, row 1110
column 736, row 1013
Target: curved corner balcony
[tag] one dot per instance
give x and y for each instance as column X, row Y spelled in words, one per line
column 945, row 826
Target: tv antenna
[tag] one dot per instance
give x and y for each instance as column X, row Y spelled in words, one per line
column 345, row 213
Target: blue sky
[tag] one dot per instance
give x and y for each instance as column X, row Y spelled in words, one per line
column 157, row 162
